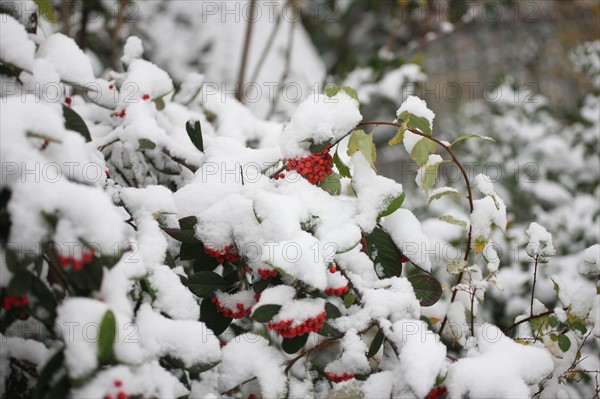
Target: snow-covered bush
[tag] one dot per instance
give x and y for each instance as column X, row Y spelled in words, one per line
column 149, row 251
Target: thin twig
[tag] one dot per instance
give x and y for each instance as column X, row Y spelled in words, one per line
column 286, row 69
column 117, row 32
column 239, row 90
column 533, row 287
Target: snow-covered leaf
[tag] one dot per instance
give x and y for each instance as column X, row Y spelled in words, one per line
column 383, row 251
column 332, row 184
column 468, row 136
column 363, row 142
column 265, row 313
column 421, row 150
column 393, row 206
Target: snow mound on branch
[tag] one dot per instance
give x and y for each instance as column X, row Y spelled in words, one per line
column 67, row 58
column 16, row 47
column 172, row 297
column 319, row 119
column 414, row 105
column 500, row 369
column 248, row 356
column 405, row 230
column 374, row 193
column 422, row 355
column 188, row 340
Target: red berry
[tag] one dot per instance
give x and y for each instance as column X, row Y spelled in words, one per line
column 118, row 383
column 251, row 396
column 68, row 100
column 332, row 269
column 121, row 395
column 146, row 97
column 111, row 86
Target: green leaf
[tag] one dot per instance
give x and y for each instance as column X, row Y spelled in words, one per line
column 341, row 166
column 46, row 10
column 332, row 90
column 331, row 311
column 579, row 326
column 383, row 251
column 20, row 283
column 185, row 233
column 399, row 137
column 393, row 206
column 468, row 136
column 363, row 142
column 203, row 284
column 553, row 321
column 106, row 338
column 265, row 313
column 45, row 377
column 332, row 184
column 421, row 150
column 538, row 323
column 427, row 289
column 75, row 123
column 349, row 299
column 145, row 144
column 189, row 251
column 376, row 343
column 213, row 319
column 429, row 175
column 416, row 122
column 452, row 220
column 317, row 147
column 564, row 343
column 293, row 345
column 440, row 192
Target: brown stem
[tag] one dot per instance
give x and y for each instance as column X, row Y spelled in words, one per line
column 239, row 90
column 267, row 48
column 507, row 329
column 117, row 32
column 533, row 286
column 469, row 194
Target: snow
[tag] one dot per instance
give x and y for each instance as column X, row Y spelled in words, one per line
column 540, row 241
column 422, row 355
column 67, row 58
column 374, row 193
column 133, row 49
column 260, row 360
column 320, row 119
column 16, row 47
column 501, row 368
column 353, row 358
column 172, row 297
column 485, row 214
column 590, row 263
column 415, row 106
column 188, row 340
column 405, row 230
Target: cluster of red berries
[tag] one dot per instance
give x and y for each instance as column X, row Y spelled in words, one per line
column 242, row 311
column 11, row 301
column 279, row 176
column 229, row 253
column 267, row 273
column 86, row 257
column 285, row 329
column 120, row 394
column 314, row 167
column 120, row 114
column 437, row 393
column 336, row 291
column 340, row 378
